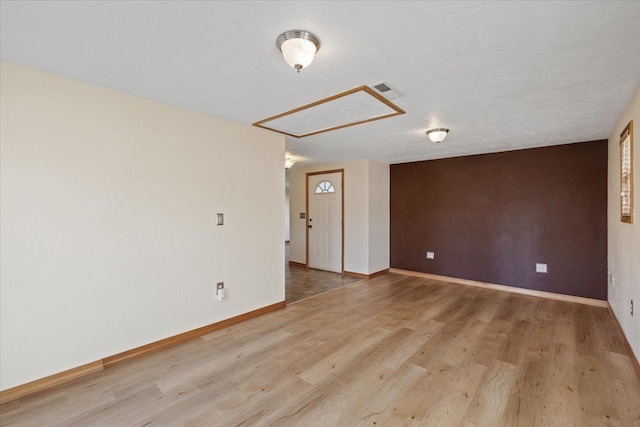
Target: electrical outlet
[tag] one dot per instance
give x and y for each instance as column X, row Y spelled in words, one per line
column 220, row 291
column 612, row 280
column 431, row 255
column 541, row 268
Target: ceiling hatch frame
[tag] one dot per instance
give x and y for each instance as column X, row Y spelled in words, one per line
column 396, row 112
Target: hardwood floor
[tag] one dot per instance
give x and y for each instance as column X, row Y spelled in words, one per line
column 389, row 351
column 301, row 282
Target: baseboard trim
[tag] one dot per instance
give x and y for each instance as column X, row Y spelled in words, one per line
column 297, row 264
column 632, row 355
column 365, row 276
column 141, row 351
column 504, row 288
column 50, row 382
column 356, row 275
column 378, row 273
column 79, row 372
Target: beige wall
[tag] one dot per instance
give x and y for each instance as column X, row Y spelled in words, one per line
column 108, row 226
column 366, row 209
column 379, row 220
column 287, row 215
column 624, row 239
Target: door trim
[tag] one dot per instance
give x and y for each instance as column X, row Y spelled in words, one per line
column 306, row 219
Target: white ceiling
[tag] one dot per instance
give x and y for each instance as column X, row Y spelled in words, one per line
column 500, row 75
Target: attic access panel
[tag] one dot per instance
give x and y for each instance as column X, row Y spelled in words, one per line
column 353, row 107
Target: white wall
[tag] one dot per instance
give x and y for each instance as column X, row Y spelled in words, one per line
column 379, row 219
column 357, row 206
column 624, row 239
column 108, row 226
column 287, row 215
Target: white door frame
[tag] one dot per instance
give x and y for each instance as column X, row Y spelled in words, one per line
column 341, row 172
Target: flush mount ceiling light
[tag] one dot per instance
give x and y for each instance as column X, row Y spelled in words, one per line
column 437, row 135
column 298, row 48
column 288, row 162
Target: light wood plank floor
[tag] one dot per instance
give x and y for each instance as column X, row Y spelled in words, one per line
column 301, row 282
column 390, row 351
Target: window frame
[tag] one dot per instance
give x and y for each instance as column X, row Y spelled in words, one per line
column 331, row 189
column 627, row 133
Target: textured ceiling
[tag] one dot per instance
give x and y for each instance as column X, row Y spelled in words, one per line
column 346, row 109
column 500, row 75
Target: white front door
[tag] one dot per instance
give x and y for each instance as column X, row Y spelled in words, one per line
column 324, row 220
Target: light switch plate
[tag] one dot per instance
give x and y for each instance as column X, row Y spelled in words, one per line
column 431, row 255
column 541, row 268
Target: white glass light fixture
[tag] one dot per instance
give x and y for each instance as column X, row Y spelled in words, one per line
column 288, row 162
column 437, row 135
column 298, row 48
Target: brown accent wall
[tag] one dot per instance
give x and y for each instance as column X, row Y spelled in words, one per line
column 491, row 217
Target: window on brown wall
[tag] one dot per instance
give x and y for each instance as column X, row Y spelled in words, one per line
column 626, row 174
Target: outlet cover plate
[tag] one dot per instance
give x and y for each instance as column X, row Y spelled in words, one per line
column 541, row 268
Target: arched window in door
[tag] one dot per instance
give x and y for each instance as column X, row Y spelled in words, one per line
column 325, row 187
